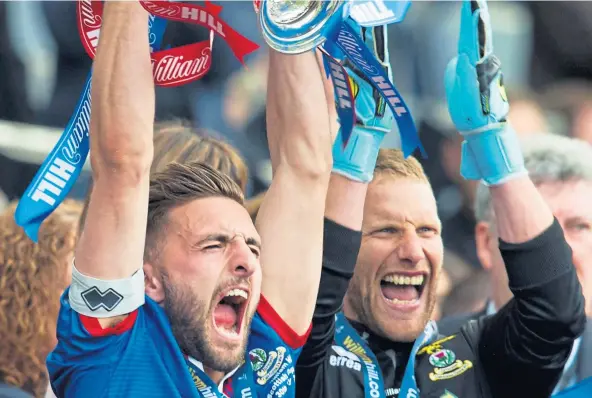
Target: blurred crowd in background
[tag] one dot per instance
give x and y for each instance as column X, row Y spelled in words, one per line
column 545, row 49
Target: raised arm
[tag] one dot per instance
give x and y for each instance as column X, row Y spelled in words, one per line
column 353, row 169
column 112, row 244
column 290, row 220
column 531, row 337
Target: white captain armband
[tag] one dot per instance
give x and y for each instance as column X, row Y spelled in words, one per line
column 103, row 299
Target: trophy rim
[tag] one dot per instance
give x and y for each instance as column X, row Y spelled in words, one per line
column 276, row 38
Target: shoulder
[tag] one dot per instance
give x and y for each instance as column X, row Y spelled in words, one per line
column 141, row 346
column 268, row 325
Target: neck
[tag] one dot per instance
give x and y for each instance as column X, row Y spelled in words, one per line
column 501, row 297
column 349, row 312
column 215, row 375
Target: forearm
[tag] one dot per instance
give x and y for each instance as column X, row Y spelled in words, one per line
column 290, row 220
column 297, row 116
column 345, row 201
column 122, row 93
column 122, row 114
column 520, row 211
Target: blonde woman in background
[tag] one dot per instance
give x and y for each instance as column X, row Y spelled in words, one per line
column 32, row 278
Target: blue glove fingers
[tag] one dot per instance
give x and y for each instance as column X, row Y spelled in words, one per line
column 472, row 36
column 463, row 95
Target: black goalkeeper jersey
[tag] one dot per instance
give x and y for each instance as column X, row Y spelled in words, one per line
column 518, row 352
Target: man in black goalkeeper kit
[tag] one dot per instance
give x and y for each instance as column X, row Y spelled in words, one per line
column 383, row 344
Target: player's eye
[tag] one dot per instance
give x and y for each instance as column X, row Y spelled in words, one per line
column 255, row 251
column 213, row 247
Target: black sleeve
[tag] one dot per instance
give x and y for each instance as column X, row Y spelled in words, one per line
column 524, row 347
column 340, row 252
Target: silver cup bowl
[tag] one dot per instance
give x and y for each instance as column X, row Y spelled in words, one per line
column 297, row 26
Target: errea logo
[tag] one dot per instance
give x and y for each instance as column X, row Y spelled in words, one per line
column 95, row 299
column 344, row 358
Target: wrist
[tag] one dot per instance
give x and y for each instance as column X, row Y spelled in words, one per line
column 358, row 159
column 493, row 154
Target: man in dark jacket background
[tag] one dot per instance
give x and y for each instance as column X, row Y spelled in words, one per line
column 561, row 168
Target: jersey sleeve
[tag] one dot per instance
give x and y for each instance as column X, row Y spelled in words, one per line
column 533, row 334
column 82, row 361
column 273, row 350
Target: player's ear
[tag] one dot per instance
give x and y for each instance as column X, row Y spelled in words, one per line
column 153, row 283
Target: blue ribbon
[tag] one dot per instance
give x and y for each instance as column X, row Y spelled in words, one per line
column 60, row 170
column 242, row 382
column 347, row 338
column 581, row 390
column 351, row 44
column 369, row 13
column 344, row 99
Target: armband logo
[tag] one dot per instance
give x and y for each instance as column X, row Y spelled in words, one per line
column 95, row 299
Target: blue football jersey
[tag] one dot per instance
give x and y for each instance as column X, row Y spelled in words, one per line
column 140, row 357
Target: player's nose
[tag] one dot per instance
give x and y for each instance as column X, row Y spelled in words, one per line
column 243, row 262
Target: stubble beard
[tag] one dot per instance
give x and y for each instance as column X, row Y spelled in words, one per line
column 191, row 325
column 369, row 315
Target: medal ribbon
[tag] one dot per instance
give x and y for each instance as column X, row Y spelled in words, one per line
column 171, row 68
column 242, row 381
column 347, row 337
column 348, row 41
column 205, row 16
column 344, row 97
column 60, row 170
column 369, row 13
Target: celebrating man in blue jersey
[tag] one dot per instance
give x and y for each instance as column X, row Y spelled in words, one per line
column 165, row 295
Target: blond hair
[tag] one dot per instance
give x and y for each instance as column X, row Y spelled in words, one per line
column 32, row 278
column 391, row 162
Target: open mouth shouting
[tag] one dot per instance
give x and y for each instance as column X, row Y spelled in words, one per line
column 229, row 313
column 403, row 291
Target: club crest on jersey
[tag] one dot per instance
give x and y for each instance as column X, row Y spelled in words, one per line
column 453, row 370
column 442, row 358
column 267, row 365
column 258, row 357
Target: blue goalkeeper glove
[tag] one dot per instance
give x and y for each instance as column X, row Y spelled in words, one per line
column 478, row 104
column 373, row 117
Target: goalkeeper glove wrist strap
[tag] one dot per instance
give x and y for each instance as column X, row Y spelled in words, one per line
column 492, row 154
column 357, row 160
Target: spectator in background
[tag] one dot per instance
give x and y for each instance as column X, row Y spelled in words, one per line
column 455, row 271
column 443, row 289
column 178, row 142
column 570, row 102
column 456, row 201
column 13, row 99
column 562, row 170
column 562, row 41
column 468, row 296
column 32, row 278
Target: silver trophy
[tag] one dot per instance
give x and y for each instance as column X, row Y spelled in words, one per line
column 297, row 26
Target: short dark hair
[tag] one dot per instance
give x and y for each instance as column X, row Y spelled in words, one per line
column 178, row 184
